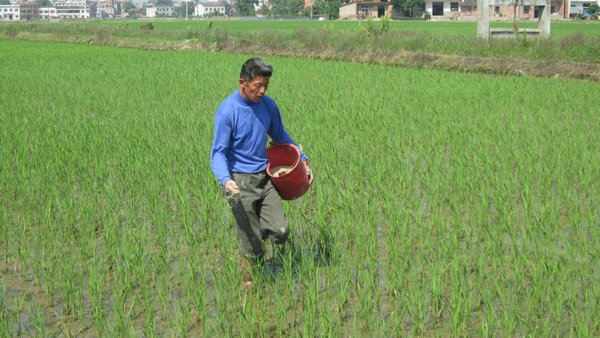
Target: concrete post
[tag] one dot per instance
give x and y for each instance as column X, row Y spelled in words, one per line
column 544, row 24
column 483, row 19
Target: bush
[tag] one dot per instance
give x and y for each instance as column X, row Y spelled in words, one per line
column 147, row 27
column 593, row 10
column 385, row 23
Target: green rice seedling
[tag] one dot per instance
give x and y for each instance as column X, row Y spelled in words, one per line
column 38, row 321
column 443, row 202
column 96, row 287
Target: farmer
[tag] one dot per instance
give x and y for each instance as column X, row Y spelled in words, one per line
column 239, row 160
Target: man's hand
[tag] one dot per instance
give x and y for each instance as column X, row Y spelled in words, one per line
column 308, row 170
column 231, row 187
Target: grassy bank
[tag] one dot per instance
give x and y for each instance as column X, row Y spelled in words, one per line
column 559, row 28
column 572, row 55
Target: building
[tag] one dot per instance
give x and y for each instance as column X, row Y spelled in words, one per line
column 74, row 13
column 209, row 8
column 557, row 10
column 579, row 7
column 105, row 9
column 120, row 9
column 28, row 10
column 48, row 13
column 363, row 9
column 154, row 11
column 10, row 12
column 25, row 10
column 68, row 10
column 457, row 8
column 451, row 8
column 75, row 9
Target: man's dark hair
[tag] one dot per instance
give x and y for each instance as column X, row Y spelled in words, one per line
column 255, row 67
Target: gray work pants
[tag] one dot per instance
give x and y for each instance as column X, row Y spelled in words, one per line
column 258, row 213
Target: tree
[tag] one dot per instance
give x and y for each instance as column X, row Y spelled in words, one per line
column 331, row 8
column 164, row 3
column 408, row 7
column 593, row 9
column 130, row 9
column 295, row 6
column 264, row 10
column 127, row 6
column 228, row 9
column 5, row 2
column 246, row 7
column 181, row 9
column 278, row 7
column 44, row 3
column 283, row 7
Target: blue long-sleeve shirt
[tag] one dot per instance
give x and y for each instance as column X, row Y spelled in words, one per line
column 240, row 140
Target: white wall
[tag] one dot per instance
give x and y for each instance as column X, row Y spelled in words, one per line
column 10, row 12
column 203, row 9
column 447, row 8
column 48, row 13
column 73, row 12
column 150, row 12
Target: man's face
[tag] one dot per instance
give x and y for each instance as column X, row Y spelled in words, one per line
column 254, row 90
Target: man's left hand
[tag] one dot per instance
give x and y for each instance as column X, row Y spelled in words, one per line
column 308, row 169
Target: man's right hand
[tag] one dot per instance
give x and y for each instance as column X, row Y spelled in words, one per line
column 231, row 187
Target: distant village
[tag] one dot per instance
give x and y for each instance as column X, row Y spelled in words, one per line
column 19, row 10
column 104, row 9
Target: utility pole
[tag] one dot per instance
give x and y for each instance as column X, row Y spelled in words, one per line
column 186, row 17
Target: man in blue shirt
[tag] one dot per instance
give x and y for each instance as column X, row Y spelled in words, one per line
column 239, row 161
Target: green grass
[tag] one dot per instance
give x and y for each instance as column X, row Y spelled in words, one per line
column 443, row 204
column 559, row 28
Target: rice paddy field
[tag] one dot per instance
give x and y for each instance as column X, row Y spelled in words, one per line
column 444, row 203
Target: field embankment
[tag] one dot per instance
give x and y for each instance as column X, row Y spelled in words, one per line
column 566, row 56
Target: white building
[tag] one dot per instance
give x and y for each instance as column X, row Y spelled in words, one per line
column 9, row 13
column 447, row 8
column 105, row 9
column 75, row 9
column 71, row 3
column 48, row 13
column 209, row 8
column 73, row 13
column 154, row 11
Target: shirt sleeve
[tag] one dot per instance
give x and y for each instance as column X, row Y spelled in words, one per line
column 277, row 131
column 220, row 146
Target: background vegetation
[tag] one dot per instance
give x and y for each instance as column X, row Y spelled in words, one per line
column 234, row 26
